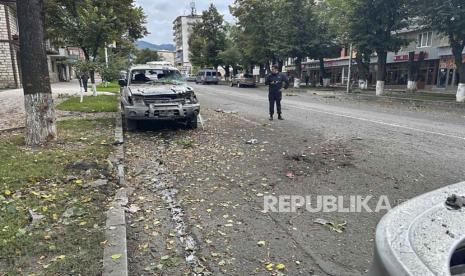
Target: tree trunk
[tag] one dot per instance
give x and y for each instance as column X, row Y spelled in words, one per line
column 412, row 72
column 324, row 81
column 227, row 73
column 268, row 68
column 38, row 100
column 381, row 74
column 280, row 65
column 298, row 71
column 92, row 81
column 457, row 50
column 262, row 71
column 363, row 68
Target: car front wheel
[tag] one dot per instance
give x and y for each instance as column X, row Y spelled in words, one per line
column 192, row 123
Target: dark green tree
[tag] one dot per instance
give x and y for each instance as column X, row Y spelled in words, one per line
column 338, row 16
column 256, row 32
column 295, row 30
column 208, row 39
column 231, row 57
column 373, row 26
column 447, row 17
column 146, row 55
column 92, row 24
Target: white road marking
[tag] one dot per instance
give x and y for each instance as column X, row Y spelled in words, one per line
column 379, row 122
column 366, row 120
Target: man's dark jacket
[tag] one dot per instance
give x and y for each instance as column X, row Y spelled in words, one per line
column 276, row 82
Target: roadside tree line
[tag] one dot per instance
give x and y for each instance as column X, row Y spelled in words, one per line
column 87, row 24
column 272, row 31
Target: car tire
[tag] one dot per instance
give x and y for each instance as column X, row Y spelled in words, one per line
column 129, row 125
column 192, row 123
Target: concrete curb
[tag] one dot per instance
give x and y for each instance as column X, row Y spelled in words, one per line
column 115, row 256
column 430, row 103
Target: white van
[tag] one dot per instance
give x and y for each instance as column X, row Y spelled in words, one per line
column 206, row 76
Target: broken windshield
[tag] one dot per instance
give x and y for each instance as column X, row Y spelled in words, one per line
column 156, row 76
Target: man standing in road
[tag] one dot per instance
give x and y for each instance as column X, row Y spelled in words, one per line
column 276, row 82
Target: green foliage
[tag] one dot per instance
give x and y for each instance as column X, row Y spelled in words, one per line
column 231, row 55
column 327, row 40
column 146, row 55
column 255, row 31
column 112, row 87
column 36, row 179
column 208, row 39
column 373, row 24
column 446, row 17
column 102, row 103
column 85, row 66
column 294, row 28
column 91, row 24
column 109, row 73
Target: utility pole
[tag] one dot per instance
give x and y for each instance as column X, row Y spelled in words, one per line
column 38, row 100
column 350, row 69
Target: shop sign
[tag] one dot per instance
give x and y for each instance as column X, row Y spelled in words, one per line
column 405, row 57
column 448, row 62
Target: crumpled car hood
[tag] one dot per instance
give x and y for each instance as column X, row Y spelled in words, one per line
column 166, row 89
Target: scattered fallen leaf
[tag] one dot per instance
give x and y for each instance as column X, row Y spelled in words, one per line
column 290, row 175
column 261, row 243
column 116, row 256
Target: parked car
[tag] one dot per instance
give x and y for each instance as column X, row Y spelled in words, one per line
column 206, row 76
column 191, row 78
column 240, row 80
column 156, row 92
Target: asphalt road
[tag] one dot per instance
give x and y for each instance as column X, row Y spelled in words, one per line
column 395, row 151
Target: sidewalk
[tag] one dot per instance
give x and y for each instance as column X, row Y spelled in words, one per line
column 12, row 102
column 422, row 98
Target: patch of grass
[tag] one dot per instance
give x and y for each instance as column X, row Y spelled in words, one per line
column 67, row 239
column 187, row 144
column 90, row 104
column 112, row 87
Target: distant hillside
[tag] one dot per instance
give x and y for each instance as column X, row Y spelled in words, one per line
column 147, row 45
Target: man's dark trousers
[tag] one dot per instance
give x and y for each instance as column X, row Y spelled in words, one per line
column 275, row 97
column 84, row 84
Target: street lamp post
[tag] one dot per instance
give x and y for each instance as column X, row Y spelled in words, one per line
column 350, row 69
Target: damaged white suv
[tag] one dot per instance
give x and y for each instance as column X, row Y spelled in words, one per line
column 157, row 92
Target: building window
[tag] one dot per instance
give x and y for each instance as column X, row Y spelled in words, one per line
column 425, row 39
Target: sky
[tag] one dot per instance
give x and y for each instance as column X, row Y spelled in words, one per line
column 162, row 13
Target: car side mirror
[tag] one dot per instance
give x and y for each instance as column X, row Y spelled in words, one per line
column 122, row 83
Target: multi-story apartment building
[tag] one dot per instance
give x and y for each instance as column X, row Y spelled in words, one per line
column 437, row 72
column 59, row 60
column 182, row 27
